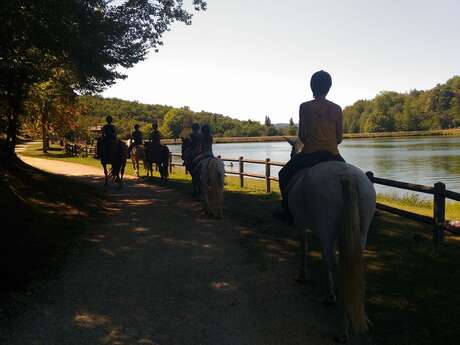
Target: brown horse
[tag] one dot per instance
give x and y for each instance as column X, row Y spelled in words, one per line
column 137, row 155
column 157, row 153
column 115, row 153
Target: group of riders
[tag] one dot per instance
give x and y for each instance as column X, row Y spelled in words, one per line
column 320, row 131
column 333, row 188
column 109, row 135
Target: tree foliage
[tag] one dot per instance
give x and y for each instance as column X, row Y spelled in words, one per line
column 171, row 121
column 95, row 40
column 438, row 108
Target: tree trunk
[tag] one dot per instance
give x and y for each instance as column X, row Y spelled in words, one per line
column 14, row 102
column 11, row 134
column 45, row 139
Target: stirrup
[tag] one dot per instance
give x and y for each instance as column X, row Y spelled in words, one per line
column 283, row 216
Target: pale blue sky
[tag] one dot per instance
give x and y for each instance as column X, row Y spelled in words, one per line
column 248, row 58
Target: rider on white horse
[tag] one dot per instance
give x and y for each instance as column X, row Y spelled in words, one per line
column 205, row 151
column 320, row 130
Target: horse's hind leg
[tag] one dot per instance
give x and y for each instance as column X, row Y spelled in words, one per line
column 334, row 294
column 330, row 274
column 105, row 175
column 304, row 268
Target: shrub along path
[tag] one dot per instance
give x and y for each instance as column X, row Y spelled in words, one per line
column 156, row 272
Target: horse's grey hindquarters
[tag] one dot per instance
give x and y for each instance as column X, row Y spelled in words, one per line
column 336, row 201
column 212, row 178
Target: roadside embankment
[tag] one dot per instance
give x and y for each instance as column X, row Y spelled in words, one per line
column 41, row 217
column 412, row 293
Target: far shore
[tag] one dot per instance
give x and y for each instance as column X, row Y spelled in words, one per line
column 263, row 139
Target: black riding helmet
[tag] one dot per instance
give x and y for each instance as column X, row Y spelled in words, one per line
column 195, row 127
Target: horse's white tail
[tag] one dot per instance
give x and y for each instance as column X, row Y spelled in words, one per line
column 216, row 177
column 351, row 257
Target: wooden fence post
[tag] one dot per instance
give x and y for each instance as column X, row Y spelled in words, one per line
column 241, row 163
column 370, row 175
column 267, row 175
column 170, row 163
column 439, row 213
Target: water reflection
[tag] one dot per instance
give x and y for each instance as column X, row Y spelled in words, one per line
column 423, row 160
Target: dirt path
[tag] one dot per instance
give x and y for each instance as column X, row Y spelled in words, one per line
column 156, row 272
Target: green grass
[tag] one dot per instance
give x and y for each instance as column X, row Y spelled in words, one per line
column 413, row 293
column 435, row 132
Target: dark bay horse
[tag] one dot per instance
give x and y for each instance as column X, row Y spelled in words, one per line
column 157, row 153
column 115, row 153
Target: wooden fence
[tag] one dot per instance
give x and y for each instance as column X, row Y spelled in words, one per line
column 439, row 192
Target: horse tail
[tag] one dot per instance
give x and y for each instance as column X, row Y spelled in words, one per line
column 351, row 257
column 216, row 179
column 119, row 158
column 166, row 161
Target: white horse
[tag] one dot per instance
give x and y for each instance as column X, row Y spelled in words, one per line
column 212, row 179
column 336, row 201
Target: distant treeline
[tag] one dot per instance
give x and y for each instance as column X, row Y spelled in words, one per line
column 172, row 121
column 437, row 108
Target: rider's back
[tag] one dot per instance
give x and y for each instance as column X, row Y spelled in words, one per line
column 136, row 137
column 318, row 123
column 109, row 132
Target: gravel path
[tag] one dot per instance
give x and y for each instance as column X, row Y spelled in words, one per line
column 156, row 272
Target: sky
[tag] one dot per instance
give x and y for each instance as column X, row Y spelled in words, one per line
column 251, row 58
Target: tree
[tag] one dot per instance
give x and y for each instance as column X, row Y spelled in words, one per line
column 415, row 110
column 268, row 122
column 92, row 38
column 52, row 104
column 292, row 129
column 175, row 121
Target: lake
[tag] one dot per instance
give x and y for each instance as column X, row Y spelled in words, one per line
column 422, row 160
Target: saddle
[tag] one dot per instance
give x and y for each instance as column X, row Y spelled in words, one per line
column 199, row 161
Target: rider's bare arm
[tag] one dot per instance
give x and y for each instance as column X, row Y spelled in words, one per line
column 301, row 125
column 339, row 125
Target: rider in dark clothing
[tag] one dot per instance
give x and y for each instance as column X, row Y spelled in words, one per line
column 108, row 134
column 196, row 139
column 136, row 139
column 206, row 144
column 108, row 130
column 154, row 135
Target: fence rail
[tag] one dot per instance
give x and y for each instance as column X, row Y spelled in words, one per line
column 438, row 190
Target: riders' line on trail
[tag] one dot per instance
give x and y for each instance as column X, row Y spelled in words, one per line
column 155, row 271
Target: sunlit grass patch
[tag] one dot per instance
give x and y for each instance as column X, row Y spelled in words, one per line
column 414, row 203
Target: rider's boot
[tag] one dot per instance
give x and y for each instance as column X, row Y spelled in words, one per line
column 283, row 214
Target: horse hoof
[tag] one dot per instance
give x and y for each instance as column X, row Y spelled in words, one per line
column 342, row 338
column 329, row 301
column 300, row 279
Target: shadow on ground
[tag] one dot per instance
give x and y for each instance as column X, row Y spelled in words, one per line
column 154, row 271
